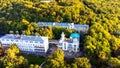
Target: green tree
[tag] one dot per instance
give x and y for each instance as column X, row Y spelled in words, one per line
column 82, row 62
column 34, row 66
column 12, row 60
column 56, row 60
column 4, row 28
column 115, row 44
column 114, row 62
column 46, row 32
column 25, row 22
column 58, row 30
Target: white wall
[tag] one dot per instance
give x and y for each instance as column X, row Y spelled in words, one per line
column 26, row 46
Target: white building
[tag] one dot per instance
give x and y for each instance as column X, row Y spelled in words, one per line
column 27, row 44
column 78, row 27
column 71, row 44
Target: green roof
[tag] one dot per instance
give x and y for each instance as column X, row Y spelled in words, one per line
column 74, row 35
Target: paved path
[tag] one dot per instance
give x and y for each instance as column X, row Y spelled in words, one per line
column 42, row 64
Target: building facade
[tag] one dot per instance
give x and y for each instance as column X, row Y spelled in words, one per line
column 71, row 44
column 26, row 44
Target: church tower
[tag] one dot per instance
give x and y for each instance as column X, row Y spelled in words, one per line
column 62, row 36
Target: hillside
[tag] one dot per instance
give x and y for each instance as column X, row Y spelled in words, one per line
column 101, row 43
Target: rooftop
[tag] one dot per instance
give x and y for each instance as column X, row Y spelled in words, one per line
column 72, row 25
column 74, row 35
column 78, row 25
column 24, row 37
column 63, row 24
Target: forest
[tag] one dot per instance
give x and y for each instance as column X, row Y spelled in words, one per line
column 101, row 43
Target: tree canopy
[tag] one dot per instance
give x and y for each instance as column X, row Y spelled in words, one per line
column 12, row 60
column 101, row 43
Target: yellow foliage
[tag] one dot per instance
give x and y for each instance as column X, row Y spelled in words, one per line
column 25, row 22
column 102, row 55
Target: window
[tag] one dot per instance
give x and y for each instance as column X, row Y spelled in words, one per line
column 16, row 40
column 41, row 42
column 7, row 40
column 31, row 41
column 60, row 44
column 12, row 40
column 65, row 45
column 74, row 47
column 70, row 47
column 2, row 39
column 36, row 42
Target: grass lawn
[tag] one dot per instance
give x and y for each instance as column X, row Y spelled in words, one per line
column 34, row 59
